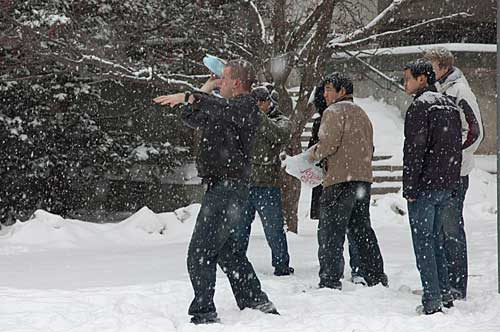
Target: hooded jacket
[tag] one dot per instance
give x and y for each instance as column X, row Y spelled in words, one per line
column 455, row 85
column 432, row 152
column 272, row 136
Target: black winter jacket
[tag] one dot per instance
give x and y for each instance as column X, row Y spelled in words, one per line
column 318, row 190
column 433, row 144
column 314, row 132
column 229, row 130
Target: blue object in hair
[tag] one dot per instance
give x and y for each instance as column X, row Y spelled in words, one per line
column 214, row 64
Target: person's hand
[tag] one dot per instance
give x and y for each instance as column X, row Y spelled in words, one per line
column 171, row 100
column 411, row 200
column 210, row 84
column 310, row 151
column 310, row 157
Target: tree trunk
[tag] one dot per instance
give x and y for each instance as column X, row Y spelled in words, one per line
column 303, row 111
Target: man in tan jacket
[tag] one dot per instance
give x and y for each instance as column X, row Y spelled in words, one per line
column 346, row 146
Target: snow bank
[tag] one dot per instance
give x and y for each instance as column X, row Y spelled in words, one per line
column 45, row 231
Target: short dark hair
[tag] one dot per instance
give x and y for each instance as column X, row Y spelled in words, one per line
column 339, row 81
column 319, row 99
column 422, row 67
column 244, row 71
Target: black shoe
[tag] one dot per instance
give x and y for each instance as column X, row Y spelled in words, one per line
column 382, row 279
column 422, row 311
column 448, row 304
column 284, row 271
column 330, row 284
column 447, row 300
column 457, row 295
column 267, row 308
column 209, row 318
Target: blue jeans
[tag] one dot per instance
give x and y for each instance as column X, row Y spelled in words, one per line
column 455, row 245
column 213, row 242
column 427, row 215
column 266, row 201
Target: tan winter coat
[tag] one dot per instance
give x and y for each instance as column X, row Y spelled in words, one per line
column 346, row 142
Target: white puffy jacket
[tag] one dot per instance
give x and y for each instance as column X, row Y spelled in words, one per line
column 456, row 86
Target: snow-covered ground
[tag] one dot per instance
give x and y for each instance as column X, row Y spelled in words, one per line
column 68, row 275
column 387, row 128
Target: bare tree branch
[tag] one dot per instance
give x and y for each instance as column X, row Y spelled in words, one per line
column 175, row 82
column 376, row 71
column 306, row 44
column 368, row 27
column 192, row 77
column 279, row 25
column 392, row 32
column 105, row 62
column 312, row 69
column 305, row 28
column 241, row 48
column 261, row 22
column 29, row 78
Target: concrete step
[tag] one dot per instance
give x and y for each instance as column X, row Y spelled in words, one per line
column 389, row 168
column 387, row 173
column 379, row 179
column 380, row 187
column 387, row 179
column 378, row 158
column 384, row 190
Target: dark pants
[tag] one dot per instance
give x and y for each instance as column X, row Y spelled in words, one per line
column 266, row 201
column 455, row 245
column 354, row 261
column 427, row 214
column 315, row 202
column 353, row 249
column 213, row 242
column 347, row 206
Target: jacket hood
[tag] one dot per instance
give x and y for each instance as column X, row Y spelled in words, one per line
column 274, row 112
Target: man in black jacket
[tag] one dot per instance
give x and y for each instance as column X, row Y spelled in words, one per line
column 229, row 126
column 431, row 171
column 452, row 82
